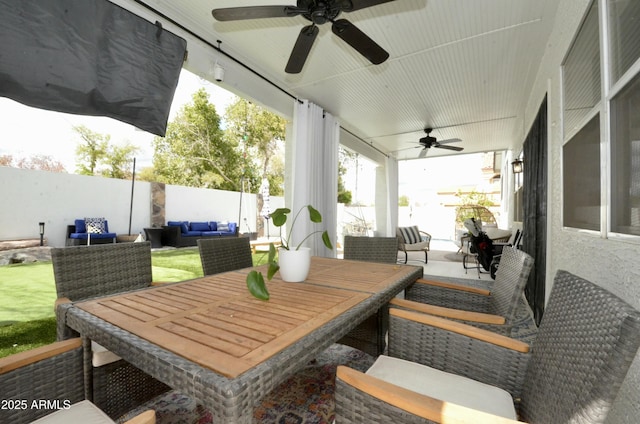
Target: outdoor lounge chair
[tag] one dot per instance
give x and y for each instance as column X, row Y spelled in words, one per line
column 441, row 371
column 220, row 254
column 369, row 336
column 411, row 239
column 83, row 272
column 47, row 384
column 499, row 306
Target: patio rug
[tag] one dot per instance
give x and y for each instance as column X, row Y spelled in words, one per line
column 305, row 398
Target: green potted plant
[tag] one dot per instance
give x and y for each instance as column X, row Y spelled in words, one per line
column 292, row 258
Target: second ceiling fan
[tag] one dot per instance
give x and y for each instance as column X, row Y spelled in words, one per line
column 317, row 12
column 429, row 142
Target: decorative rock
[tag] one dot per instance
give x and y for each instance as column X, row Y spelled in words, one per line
column 28, row 255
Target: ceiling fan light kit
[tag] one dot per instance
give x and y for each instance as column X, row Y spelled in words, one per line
column 318, row 12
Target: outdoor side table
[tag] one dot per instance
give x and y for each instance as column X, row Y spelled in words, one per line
column 154, row 235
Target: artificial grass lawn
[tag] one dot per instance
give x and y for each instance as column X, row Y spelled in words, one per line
column 28, row 292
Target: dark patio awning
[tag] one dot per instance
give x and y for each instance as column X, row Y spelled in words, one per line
column 89, row 57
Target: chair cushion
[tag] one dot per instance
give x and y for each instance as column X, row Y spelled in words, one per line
column 83, row 412
column 444, row 386
column 199, row 226
column 101, row 356
column 80, row 226
column 411, row 235
column 95, row 225
column 222, row 226
column 417, row 246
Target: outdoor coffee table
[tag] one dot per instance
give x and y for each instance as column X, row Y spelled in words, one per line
column 212, row 340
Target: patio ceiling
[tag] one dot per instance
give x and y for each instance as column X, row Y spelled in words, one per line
column 463, row 67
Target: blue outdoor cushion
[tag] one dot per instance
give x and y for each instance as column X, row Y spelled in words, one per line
column 84, row 236
column 184, row 225
column 192, row 233
column 199, row 226
column 232, row 227
column 213, row 226
column 80, row 226
column 210, row 233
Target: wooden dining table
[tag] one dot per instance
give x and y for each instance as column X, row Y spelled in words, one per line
column 211, row 339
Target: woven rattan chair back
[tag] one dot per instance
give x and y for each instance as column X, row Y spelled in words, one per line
column 224, row 254
column 83, row 272
column 511, row 278
column 371, row 249
column 587, row 340
column 54, row 378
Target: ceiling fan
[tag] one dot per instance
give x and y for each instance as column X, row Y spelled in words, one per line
column 429, row 142
column 318, row 12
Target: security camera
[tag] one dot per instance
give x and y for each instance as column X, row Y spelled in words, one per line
column 218, row 73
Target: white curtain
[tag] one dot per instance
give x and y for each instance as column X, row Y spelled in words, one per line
column 312, row 171
column 391, row 166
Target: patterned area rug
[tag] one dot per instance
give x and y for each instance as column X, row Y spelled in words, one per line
column 305, row 398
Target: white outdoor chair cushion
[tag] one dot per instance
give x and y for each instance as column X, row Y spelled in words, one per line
column 83, row 412
column 444, row 386
column 101, row 356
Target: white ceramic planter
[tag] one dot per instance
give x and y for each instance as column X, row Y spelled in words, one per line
column 294, row 264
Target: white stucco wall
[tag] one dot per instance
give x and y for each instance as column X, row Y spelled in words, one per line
column 608, row 262
column 57, row 199
column 29, row 197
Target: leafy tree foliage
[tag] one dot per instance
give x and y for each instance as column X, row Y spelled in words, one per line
column 195, row 152
column 38, row 162
column 91, row 151
column 261, row 134
column 97, row 156
column 119, row 161
column 346, row 158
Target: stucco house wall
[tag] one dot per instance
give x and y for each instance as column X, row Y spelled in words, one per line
column 608, row 261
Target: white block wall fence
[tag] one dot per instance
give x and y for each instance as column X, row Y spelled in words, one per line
column 57, row 199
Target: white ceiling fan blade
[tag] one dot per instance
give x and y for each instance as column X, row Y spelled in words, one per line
column 423, row 153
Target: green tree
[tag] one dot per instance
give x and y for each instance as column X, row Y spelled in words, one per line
column 261, row 134
column 403, row 200
column 147, row 173
column 119, row 161
column 91, row 151
column 39, row 162
column 195, row 152
column 345, row 159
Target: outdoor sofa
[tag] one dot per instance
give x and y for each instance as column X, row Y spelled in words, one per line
column 89, row 231
column 185, row 233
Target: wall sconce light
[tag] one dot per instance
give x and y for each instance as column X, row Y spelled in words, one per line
column 41, row 225
column 517, row 166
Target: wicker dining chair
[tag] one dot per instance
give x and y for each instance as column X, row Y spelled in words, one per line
column 371, row 249
column 499, row 307
column 369, row 336
column 224, row 254
column 438, row 370
column 84, row 272
column 47, row 384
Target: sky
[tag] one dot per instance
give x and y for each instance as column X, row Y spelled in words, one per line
column 28, row 131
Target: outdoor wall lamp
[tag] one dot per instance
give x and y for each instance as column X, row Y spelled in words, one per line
column 517, row 166
column 41, row 225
